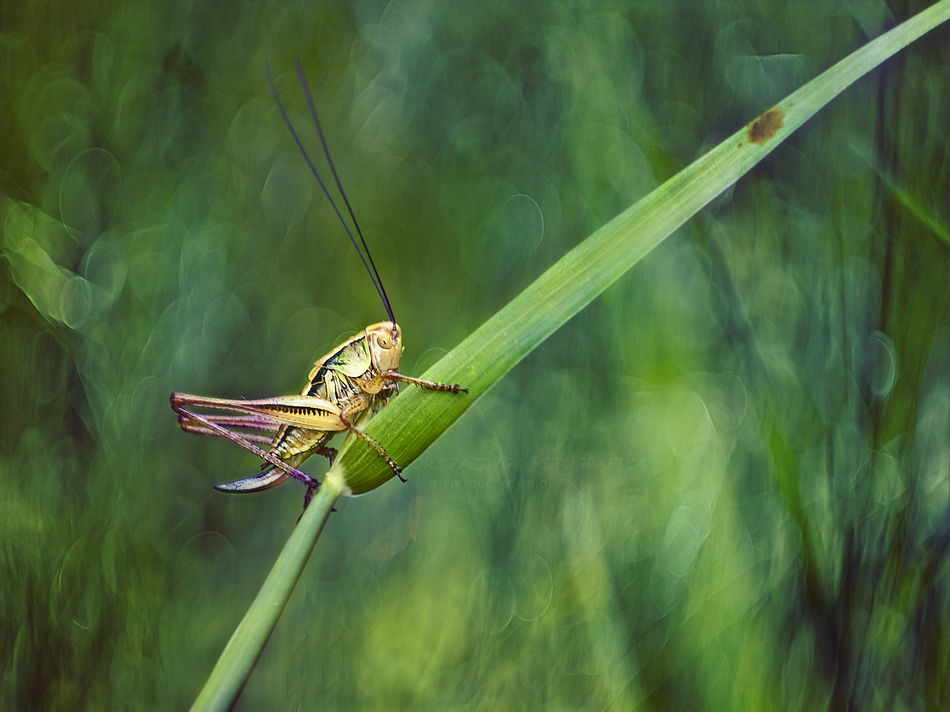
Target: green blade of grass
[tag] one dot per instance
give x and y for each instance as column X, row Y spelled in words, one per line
column 247, row 642
column 940, row 230
column 415, row 419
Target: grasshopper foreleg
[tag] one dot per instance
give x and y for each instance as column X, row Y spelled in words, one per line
column 396, row 377
column 432, row 385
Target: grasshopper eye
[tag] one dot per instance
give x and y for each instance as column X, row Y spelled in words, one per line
column 384, row 342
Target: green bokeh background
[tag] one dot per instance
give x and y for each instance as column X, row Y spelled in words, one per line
column 724, row 485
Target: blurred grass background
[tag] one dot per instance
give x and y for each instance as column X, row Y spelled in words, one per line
column 724, row 485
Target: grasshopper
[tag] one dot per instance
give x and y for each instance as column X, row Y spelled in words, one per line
column 344, row 388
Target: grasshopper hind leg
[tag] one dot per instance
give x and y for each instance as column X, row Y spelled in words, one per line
column 273, row 476
column 211, row 425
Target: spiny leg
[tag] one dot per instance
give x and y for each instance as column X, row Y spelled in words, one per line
column 246, row 444
column 432, row 385
column 189, row 425
column 345, row 419
column 330, row 453
column 251, row 422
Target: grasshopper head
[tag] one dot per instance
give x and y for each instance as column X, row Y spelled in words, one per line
column 385, row 345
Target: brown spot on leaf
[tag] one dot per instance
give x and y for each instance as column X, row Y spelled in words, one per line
column 765, row 127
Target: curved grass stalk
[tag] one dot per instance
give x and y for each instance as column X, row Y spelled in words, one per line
column 247, row 642
column 414, row 420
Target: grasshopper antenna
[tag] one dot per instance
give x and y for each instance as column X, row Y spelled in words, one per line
column 364, row 252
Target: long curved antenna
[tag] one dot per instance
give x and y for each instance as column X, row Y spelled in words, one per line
column 364, row 252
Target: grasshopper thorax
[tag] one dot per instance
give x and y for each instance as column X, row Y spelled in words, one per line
column 384, row 341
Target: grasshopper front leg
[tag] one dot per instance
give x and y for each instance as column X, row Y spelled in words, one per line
column 393, row 375
column 431, row 385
